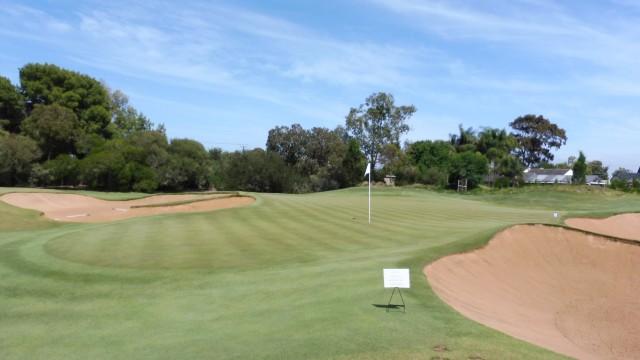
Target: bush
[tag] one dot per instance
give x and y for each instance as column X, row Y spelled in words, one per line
column 433, row 176
column 470, row 166
column 626, row 185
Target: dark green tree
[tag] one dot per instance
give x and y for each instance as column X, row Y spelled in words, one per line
column 377, row 123
column 261, row 171
column 11, row 106
column 316, row 154
column 18, row 154
column 353, row 165
column 471, row 166
column 64, row 170
column 536, row 137
column 596, row 167
column 465, row 140
column 620, row 171
column 189, row 166
column 496, row 145
column 55, row 128
column 101, row 169
column 288, row 142
column 430, row 154
column 124, row 117
column 432, row 160
column 396, row 162
column 46, row 84
column 509, row 166
column 580, row 169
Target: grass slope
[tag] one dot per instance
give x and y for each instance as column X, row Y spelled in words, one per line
column 288, row 277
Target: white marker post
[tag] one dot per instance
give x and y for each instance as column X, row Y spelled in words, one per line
column 396, row 279
column 368, row 172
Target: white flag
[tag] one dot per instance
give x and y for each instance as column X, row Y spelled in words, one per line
column 368, row 169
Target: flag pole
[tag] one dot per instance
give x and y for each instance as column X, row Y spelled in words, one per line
column 368, row 172
column 369, row 197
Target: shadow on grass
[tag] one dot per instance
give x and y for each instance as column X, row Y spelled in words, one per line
column 388, row 306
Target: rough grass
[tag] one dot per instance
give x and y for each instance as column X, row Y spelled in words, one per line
column 289, row 277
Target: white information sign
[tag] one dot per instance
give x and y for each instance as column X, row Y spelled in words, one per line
column 396, row 278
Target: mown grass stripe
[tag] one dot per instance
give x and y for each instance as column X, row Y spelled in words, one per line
column 287, row 277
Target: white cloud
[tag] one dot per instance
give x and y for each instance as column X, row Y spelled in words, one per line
column 471, row 62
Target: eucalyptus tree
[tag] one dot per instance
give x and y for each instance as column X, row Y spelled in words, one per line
column 124, row 117
column 288, row 142
column 536, row 137
column 377, row 123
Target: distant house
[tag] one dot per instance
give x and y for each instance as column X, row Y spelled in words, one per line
column 628, row 176
column 596, row 180
column 548, row 176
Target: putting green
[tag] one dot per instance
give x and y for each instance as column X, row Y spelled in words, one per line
column 288, row 277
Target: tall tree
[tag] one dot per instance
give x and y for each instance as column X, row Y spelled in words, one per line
column 17, row 156
column 580, row 169
column 377, row 123
column 55, row 128
column 47, row 84
column 465, row 140
column 11, row 106
column 596, row 167
column 470, row 166
column 536, row 136
column 190, row 163
column 261, row 171
column 431, row 154
column 621, row 172
column 352, row 165
column 124, row 117
column 496, row 145
column 289, row 142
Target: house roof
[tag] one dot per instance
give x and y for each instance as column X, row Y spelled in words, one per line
column 548, row 176
column 554, row 172
column 627, row 176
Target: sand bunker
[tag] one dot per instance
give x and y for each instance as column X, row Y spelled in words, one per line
column 567, row 291
column 79, row 208
column 626, row 226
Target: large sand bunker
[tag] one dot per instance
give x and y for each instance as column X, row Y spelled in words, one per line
column 626, row 226
column 570, row 292
column 79, row 208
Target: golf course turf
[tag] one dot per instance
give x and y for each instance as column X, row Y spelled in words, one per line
column 284, row 277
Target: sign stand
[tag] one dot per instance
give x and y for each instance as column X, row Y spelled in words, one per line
column 396, row 279
column 404, row 308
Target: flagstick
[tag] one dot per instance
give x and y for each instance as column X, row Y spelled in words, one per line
column 369, row 196
column 368, row 172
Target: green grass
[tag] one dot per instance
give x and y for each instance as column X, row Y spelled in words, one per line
column 287, row 277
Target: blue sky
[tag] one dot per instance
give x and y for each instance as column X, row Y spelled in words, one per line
column 226, row 72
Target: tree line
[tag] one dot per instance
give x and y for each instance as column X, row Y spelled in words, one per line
column 62, row 128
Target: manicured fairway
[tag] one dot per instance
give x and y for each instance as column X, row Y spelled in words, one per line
column 287, row 277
